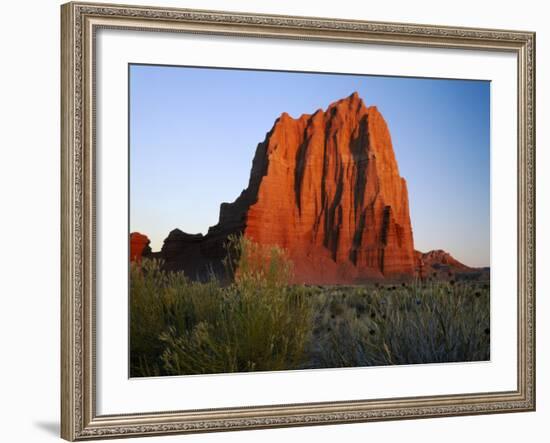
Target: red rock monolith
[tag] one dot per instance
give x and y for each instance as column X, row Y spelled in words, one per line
column 326, row 187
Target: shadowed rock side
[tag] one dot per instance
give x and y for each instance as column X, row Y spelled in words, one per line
column 326, row 187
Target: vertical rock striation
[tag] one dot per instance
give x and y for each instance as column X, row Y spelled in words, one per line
column 326, row 187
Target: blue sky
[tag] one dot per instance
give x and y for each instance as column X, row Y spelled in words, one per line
column 194, row 131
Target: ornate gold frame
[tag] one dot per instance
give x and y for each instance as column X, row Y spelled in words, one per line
column 79, row 21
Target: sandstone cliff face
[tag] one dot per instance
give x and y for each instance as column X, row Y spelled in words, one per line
column 326, row 187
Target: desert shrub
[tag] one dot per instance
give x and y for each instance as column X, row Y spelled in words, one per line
column 255, row 329
column 254, row 263
column 257, row 323
column 150, row 290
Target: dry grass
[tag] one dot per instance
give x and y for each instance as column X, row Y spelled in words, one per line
column 434, row 323
column 259, row 323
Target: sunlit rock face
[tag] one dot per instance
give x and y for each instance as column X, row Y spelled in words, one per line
column 326, row 187
column 139, row 246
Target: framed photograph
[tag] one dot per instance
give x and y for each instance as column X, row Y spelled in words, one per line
column 282, row 221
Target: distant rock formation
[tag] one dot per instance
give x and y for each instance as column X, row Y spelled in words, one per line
column 439, row 258
column 443, row 266
column 325, row 187
column 139, row 246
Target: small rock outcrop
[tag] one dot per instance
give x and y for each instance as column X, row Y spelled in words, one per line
column 139, row 246
column 440, row 258
column 441, row 265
